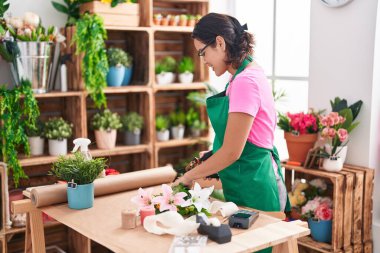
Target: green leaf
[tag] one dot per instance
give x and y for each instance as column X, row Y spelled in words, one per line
column 60, row 7
column 338, row 104
column 347, row 113
column 355, row 108
column 352, row 127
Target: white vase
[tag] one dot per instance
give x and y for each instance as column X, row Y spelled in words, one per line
column 178, row 132
column 195, row 132
column 163, row 135
column 341, row 151
column 333, row 164
column 165, row 78
column 36, row 144
column 186, row 77
column 58, row 147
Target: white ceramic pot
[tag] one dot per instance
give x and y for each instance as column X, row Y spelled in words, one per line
column 58, row 147
column 341, row 151
column 178, row 132
column 163, row 135
column 333, row 164
column 195, row 132
column 105, row 139
column 165, row 78
column 36, row 144
column 186, row 77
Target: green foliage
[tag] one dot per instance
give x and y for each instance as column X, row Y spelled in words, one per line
column 191, row 117
column 71, row 8
column 114, row 3
column 117, row 57
column 167, row 64
column 36, row 130
column 199, row 125
column 132, row 122
column 4, row 6
column 58, row 129
column 218, row 194
column 162, row 122
column 186, row 65
column 15, row 115
column 77, row 168
column 199, row 98
column 89, row 38
column 284, row 122
column 177, row 118
column 278, row 94
column 349, row 112
column 106, row 121
column 189, row 210
column 183, row 17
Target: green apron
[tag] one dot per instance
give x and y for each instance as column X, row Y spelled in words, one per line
column 251, row 180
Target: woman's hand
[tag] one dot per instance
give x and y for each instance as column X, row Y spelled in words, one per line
column 184, row 180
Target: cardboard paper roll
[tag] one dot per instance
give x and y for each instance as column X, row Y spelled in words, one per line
column 55, row 194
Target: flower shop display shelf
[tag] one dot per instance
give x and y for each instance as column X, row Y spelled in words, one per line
column 356, row 212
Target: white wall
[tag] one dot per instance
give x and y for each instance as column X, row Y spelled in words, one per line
column 344, row 63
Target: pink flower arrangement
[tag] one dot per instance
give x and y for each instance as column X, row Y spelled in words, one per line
column 299, row 123
column 333, row 130
column 319, row 208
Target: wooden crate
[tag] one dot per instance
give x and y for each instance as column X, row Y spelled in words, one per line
column 179, row 45
column 339, row 195
column 123, row 15
column 122, row 104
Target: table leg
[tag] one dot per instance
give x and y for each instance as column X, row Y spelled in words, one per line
column 289, row 246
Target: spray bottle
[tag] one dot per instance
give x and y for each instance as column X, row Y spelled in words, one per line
column 83, row 144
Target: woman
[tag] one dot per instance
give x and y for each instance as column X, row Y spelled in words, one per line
column 243, row 118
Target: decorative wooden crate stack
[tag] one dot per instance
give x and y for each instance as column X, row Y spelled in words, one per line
column 351, row 192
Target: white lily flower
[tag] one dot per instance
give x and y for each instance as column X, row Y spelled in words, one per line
column 32, row 19
column 16, row 23
column 199, row 197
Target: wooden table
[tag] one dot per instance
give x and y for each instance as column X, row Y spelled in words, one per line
column 102, row 224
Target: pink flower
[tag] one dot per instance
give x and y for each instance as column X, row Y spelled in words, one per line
column 342, row 119
column 334, row 117
column 325, row 132
column 343, row 134
column 331, row 132
column 168, row 201
column 144, row 198
column 323, row 212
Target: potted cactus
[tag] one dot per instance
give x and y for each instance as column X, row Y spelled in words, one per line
column 105, row 125
column 117, row 59
column 80, row 173
column 165, row 70
column 35, row 138
column 132, row 125
column 183, row 20
column 186, row 70
column 57, row 130
column 162, row 127
column 177, row 121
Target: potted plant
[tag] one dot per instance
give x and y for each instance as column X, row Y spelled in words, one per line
column 132, row 125
column 336, row 127
column 190, row 20
column 165, row 21
column 318, row 213
column 116, row 61
column 105, row 125
column 162, row 126
column 182, row 20
column 157, row 18
column 165, row 70
column 186, row 70
column 80, row 174
column 174, row 19
column 300, row 132
column 35, row 138
column 177, row 121
column 57, row 130
column 197, row 18
column 194, row 123
column 128, row 70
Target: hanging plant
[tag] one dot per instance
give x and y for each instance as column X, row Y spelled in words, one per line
column 89, row 38
column 16, row 115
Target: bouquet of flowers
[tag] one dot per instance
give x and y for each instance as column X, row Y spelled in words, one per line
column 319, row 208
column 179, row 198
column 333, row 130
column 298, row 123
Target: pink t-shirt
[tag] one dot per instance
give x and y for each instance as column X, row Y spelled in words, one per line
column 251, row 93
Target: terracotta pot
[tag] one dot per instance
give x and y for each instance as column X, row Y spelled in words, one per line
column 105, row 139
column 299, row 146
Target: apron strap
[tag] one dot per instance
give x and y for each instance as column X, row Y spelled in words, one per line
column 243, row 65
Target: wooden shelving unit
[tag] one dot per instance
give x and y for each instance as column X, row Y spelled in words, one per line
column 147, row 44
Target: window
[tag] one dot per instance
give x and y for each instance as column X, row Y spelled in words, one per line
column 282, row 32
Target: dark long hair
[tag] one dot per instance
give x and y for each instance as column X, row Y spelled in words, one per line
column 239, row 43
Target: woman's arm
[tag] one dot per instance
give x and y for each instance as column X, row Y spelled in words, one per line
column 237, row 131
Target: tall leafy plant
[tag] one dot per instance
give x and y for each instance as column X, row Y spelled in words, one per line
column 89, row 38
column 4, row 6
column 16, row 114
column 71, row 8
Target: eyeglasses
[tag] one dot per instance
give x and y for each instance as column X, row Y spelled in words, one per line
column 201, row 52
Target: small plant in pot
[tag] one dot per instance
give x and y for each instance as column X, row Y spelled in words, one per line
column 183, row 20
column 117, row 59
column 35, row 138
column 194, row 123
column 132, row 125
column 177, row 121
column 105, row 125
column 157, row 18
column 128, row 64
column 162, row 128
column 186, row 70
column 80, row 174
column 165, row 70
column 57, row 130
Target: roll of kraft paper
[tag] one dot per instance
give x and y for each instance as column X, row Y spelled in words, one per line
column 56, row 194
